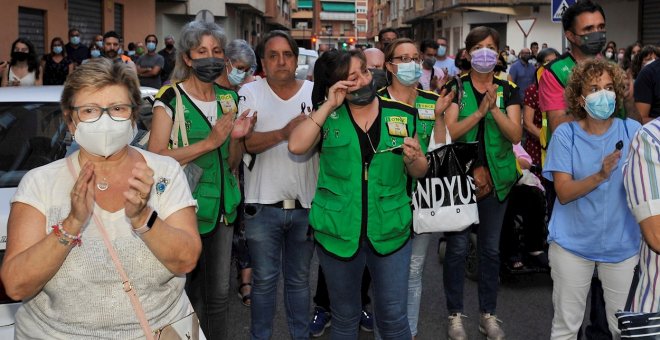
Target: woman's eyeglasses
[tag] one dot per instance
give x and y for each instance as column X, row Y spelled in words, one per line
column 407, row 59
column 92, row 113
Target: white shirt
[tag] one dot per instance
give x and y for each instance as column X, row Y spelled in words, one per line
column 84, row 299
column 277, row 174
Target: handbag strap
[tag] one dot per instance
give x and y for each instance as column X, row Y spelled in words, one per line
column 127, row 286
column 633, row 288
column 179, row 121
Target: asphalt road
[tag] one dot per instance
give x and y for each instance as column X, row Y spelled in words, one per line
column 524, row 305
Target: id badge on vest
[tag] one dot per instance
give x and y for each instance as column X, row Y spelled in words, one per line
column 396, row 126
column 228, row 104
column 426, row 111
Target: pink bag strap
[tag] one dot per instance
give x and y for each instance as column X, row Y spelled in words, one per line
column 125, row 281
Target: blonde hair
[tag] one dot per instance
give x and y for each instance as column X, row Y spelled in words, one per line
column 583, row 74
column 97, row 74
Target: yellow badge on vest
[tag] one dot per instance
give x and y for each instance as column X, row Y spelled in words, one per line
column 425, row 111
column 227, row 103
column 396, row 126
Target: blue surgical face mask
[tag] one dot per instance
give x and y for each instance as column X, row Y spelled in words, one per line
column 95, row 53
column 442, row 50
column 57, row 49
column 75, row 40
column 99, row 44
column 151, row 46
column 121, row 51
column 130, row 53
column 236, row 76
column 600, row 105
column 408, row 73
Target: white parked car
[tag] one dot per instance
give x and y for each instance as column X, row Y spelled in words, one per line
column 306, row 60
column 32, row 134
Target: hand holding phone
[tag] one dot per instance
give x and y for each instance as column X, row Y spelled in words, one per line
column 619, row 145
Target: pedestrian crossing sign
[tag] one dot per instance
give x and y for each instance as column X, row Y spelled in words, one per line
column 559, row 7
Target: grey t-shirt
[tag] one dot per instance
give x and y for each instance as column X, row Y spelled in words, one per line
column 151, row 61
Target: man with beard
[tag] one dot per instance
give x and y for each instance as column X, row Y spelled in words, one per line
column 111, row 47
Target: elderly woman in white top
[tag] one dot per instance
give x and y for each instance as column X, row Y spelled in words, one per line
column 56, row 260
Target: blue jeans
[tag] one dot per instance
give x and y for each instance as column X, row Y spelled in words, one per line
column 389, row 275
column 279, row 238
column 491, row 215
column 420, row 243
column 207, row 285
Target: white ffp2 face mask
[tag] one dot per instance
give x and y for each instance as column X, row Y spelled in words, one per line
column 105, row 137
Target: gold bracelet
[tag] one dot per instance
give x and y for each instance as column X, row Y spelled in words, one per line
column 315, row 122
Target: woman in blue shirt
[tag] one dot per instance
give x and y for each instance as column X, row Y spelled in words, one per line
column 591, row 225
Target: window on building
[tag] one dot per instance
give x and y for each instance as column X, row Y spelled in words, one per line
column 86, row 16
column 119, row 19
column 31, row 26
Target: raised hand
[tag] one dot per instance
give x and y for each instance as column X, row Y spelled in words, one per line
column 444, row 101
column 221, row 130
column 609, row 163
column 411, row 150
column 138, row 193
column 337, row 93
column 82, row 197
column 244, row 125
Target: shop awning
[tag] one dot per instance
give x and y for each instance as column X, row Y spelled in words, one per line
column 338, row 7
column 304, row 4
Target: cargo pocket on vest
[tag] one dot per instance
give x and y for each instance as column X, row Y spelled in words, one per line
column 395, row 215
column 208, row 200
column 329, row 214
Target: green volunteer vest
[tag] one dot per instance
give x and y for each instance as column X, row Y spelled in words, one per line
column 425, row 105
column 337, row 209
column 499, row 150
column 215, row 164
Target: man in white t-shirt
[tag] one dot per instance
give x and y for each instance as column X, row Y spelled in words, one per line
column 279, row 187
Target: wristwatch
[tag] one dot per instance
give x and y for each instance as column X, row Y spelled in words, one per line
column 150, row 223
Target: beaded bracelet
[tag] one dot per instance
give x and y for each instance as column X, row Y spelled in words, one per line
column 65, row 238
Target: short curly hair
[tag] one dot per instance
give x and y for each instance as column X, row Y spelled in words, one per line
column 585, row 72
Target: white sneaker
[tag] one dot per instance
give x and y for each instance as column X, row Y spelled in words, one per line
column 489, row 326
column 455, row 330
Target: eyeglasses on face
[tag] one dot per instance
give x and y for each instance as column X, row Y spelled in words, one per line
column 92, row 113
column 407, row 59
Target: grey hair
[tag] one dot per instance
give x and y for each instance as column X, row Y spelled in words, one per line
column 190, row 38
column 240, row 50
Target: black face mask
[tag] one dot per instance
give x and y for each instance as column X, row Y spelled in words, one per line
column 499, row 68
column 208, row 69
column 385, row 45
column 464, row 64
column 379, row 78
column 592, row 43
column 169, row 46
column 362, row 96
column 20, row 56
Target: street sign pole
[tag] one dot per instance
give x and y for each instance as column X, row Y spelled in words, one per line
column 525, row 26
column 558, row 7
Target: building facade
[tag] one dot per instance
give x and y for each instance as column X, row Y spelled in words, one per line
column 627, row 20
column 42, row 20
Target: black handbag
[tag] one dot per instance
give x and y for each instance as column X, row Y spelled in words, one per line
column 643, row 326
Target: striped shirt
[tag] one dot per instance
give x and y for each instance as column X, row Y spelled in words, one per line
column 641, row 181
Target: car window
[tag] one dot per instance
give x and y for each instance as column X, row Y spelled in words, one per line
column 302, row 60
column 31, row 135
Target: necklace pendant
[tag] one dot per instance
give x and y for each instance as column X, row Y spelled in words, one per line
column 102, row 185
